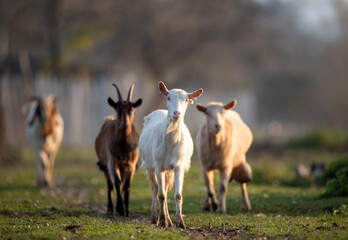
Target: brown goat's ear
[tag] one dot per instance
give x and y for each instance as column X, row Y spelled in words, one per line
column 230, row 105
column 195, row 94
column 112, row 103
column 137, row 103
column 162, row 87
column 201, row 108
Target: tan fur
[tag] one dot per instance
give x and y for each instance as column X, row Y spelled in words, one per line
column 51, row 120
column 45, row 133
column 224, row 151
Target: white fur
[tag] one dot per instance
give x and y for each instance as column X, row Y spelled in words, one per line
column 166, row 146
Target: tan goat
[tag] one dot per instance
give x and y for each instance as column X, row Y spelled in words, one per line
column 222, row 144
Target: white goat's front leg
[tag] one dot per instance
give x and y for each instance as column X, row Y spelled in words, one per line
column 168, row 179
column 179, row 181
column 224, row 178
column 245, row 198
column 154, row 209
column 210, row 200
column 162, row 196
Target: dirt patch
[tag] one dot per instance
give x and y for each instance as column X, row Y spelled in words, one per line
column 216, row 232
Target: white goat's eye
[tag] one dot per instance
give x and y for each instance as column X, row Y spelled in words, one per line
column 168, row 98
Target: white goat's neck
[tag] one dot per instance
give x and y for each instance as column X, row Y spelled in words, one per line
column 173, row 129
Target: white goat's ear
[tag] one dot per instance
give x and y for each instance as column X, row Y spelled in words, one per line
column 201, row 108
column 162, row 87
column 230, row 105
column 195, row 94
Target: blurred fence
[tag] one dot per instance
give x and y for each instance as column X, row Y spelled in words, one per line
column 83, row 105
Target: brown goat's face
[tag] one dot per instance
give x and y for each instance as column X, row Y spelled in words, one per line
column 215, row 114
column 125, row 113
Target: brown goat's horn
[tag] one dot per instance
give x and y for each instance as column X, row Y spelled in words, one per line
column 118, row 92
column 130, row 93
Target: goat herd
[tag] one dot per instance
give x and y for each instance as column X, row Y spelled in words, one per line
column 165, row 147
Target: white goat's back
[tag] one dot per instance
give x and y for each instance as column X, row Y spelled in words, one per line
column 151, row 132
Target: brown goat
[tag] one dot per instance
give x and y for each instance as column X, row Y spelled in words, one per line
column 117, row 149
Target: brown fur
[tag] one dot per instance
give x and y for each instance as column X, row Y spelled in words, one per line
column 117, row 149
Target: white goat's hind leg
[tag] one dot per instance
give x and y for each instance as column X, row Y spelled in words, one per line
column 245, row 197
column 154, row 210
column 179, row 180
column 210, row 200
column 162, row 196
column 224, row 178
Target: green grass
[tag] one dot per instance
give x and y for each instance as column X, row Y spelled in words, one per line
column 80, row 199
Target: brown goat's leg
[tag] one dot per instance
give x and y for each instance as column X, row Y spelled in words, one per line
column 162, row 196
column 110, row 190
column 210, row 200
column 120, row 208
column 126, row 190
column 179, row 180
column 224, row 178
column 245, row 198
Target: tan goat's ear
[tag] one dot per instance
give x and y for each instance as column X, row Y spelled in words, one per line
column 195, row 94
column 230, row 105
column 201, row 108
column 162, row 87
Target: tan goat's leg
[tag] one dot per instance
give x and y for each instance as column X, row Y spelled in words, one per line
column 210, row 200
column 162, row 196
column 245, row 198
column 179, row 180
column 224, row 178
column 44, row 174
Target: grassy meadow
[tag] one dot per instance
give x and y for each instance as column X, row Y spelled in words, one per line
column 75, row 208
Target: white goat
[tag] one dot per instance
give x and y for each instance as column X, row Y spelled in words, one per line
column 165, row 147
column 222, row 144
column 44, row 129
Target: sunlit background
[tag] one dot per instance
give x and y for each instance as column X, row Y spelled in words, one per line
column 285, row 61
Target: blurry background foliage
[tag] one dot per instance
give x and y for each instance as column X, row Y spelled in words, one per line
column 284, row 62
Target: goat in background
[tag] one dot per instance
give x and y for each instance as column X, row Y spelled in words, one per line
column 166, row 146
column 117, row 149
column 222, row 144
column 44, row 129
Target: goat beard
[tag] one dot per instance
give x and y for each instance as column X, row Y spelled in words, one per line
column 172, row 126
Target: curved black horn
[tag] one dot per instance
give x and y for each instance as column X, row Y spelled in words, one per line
column 130, row 93
column 118, row 92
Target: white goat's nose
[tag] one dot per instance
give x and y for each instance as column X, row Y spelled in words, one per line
column 176, row 113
